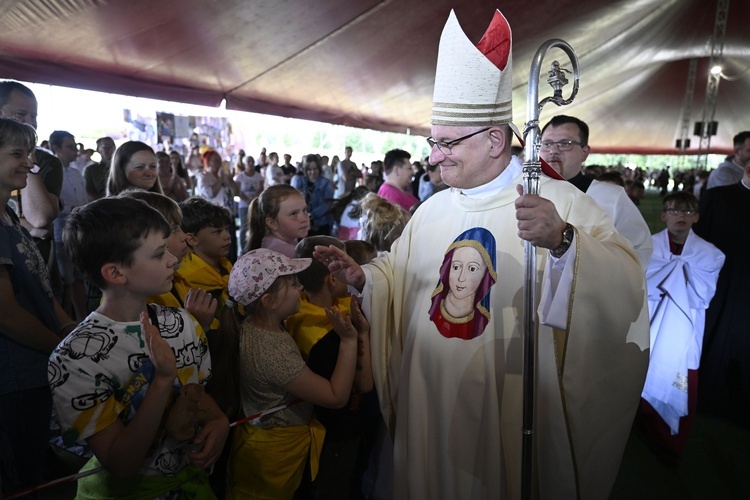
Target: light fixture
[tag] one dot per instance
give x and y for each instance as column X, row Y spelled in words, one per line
column 716, row 70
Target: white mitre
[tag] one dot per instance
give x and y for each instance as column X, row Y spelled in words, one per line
column 471, row 89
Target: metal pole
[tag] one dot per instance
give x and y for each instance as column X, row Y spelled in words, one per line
column 532, row 168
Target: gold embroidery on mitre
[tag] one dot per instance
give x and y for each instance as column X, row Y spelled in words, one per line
column 485, row 115
column 505, row 104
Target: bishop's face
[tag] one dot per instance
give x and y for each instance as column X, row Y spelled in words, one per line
column 468, row 163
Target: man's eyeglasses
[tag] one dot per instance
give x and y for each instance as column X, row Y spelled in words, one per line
column 679, row 211
column 445, row 146
column 561, row 145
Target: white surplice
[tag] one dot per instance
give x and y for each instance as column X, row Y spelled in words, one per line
column 680, row 288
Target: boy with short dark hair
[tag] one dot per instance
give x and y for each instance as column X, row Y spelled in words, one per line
column 681, row 278
column 319, row 345
column 197, row 302
column 115, row 375
column 206, row 227
column 361, row 251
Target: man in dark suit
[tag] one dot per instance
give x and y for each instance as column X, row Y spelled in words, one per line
column 724, row 389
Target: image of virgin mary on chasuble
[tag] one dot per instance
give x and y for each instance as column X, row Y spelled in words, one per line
column 461, row 300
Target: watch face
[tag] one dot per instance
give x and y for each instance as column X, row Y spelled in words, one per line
column 565, row 244
column 568, row 235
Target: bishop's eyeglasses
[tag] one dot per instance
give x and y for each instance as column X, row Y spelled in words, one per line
column 445, row 146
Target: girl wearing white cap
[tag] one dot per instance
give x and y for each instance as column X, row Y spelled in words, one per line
column 268, row 458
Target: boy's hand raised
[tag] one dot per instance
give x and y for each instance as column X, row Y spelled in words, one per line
column 363, row 380
column 202, row 305
column 358, row 319
column 341, row 265
column 159, row 351
column 342, row 325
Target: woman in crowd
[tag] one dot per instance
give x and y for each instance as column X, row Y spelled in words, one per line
column 318, row 192
column 133, row 166
column 30, row 330
column 172, row 185
column 178, row 167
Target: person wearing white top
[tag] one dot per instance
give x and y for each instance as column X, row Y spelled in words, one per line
column 565, row 147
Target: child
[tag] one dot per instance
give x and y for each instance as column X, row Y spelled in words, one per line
column 207, row 267
column 318, row 342
column 214, row 183
column 206, row 228
column 349, row 226
column 113, row 377
column 361, row 251
column 374, row 467
column 681, row 279
column 31, row 325
column 382, row 222
column 268, row 458
column 198, row 302
column 277, row 219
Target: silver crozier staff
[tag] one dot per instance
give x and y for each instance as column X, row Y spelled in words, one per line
column 532, row 168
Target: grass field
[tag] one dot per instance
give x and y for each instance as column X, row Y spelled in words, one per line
column 650, row 208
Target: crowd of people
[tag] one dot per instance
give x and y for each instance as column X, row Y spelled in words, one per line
column 347, row 319
column 145, row 226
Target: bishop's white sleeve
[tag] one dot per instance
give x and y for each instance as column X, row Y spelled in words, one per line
column 553, row 305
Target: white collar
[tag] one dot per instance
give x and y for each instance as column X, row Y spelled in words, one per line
column 497, row 184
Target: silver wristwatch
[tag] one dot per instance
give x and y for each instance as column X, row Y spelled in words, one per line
column 566, row 241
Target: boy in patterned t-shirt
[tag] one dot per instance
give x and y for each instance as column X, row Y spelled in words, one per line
column 114, row 376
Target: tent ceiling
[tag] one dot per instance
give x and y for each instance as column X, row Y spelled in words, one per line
column 371, row 63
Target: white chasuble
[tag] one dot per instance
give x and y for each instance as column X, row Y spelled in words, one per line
column 446, row 321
